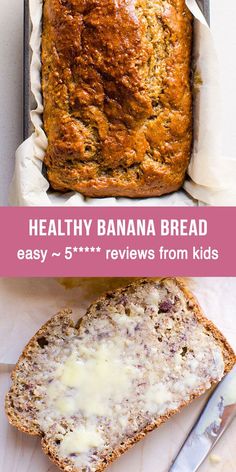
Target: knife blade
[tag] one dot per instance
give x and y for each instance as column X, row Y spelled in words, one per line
column 217, row 415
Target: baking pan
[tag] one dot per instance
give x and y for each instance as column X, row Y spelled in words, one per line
column 29, row 103
column 204, row 6
column 27, row 107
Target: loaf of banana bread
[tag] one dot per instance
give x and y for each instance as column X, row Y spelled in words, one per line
column 117, row 95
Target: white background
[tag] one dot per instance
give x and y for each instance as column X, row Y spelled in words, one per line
column 11, row 88
column 223, row 15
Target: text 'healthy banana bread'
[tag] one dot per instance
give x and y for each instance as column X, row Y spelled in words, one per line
column 137, row 357
column 117, row 96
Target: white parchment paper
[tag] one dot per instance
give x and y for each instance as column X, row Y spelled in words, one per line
column 27, row 303
column 211, row 175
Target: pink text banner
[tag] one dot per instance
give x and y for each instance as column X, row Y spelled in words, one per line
column 108, row 241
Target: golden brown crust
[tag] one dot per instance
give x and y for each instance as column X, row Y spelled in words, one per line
column 64, row 317
column 229, row 355
column 117, row 98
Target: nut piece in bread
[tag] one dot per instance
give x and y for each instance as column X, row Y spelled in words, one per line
column 138, row 356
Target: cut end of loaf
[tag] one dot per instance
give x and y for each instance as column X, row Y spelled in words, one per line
column 23, row 388
column 137, row 357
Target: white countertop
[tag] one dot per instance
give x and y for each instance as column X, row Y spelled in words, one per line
column 11, row 88
column 11, row 91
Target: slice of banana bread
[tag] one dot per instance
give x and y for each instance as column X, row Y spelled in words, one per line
column 137, row 357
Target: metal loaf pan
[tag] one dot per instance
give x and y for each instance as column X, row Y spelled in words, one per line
column 29, row 103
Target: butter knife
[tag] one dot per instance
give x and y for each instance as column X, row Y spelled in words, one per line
column 217, row 415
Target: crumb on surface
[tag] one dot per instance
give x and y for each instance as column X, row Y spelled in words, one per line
column 214, row 458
